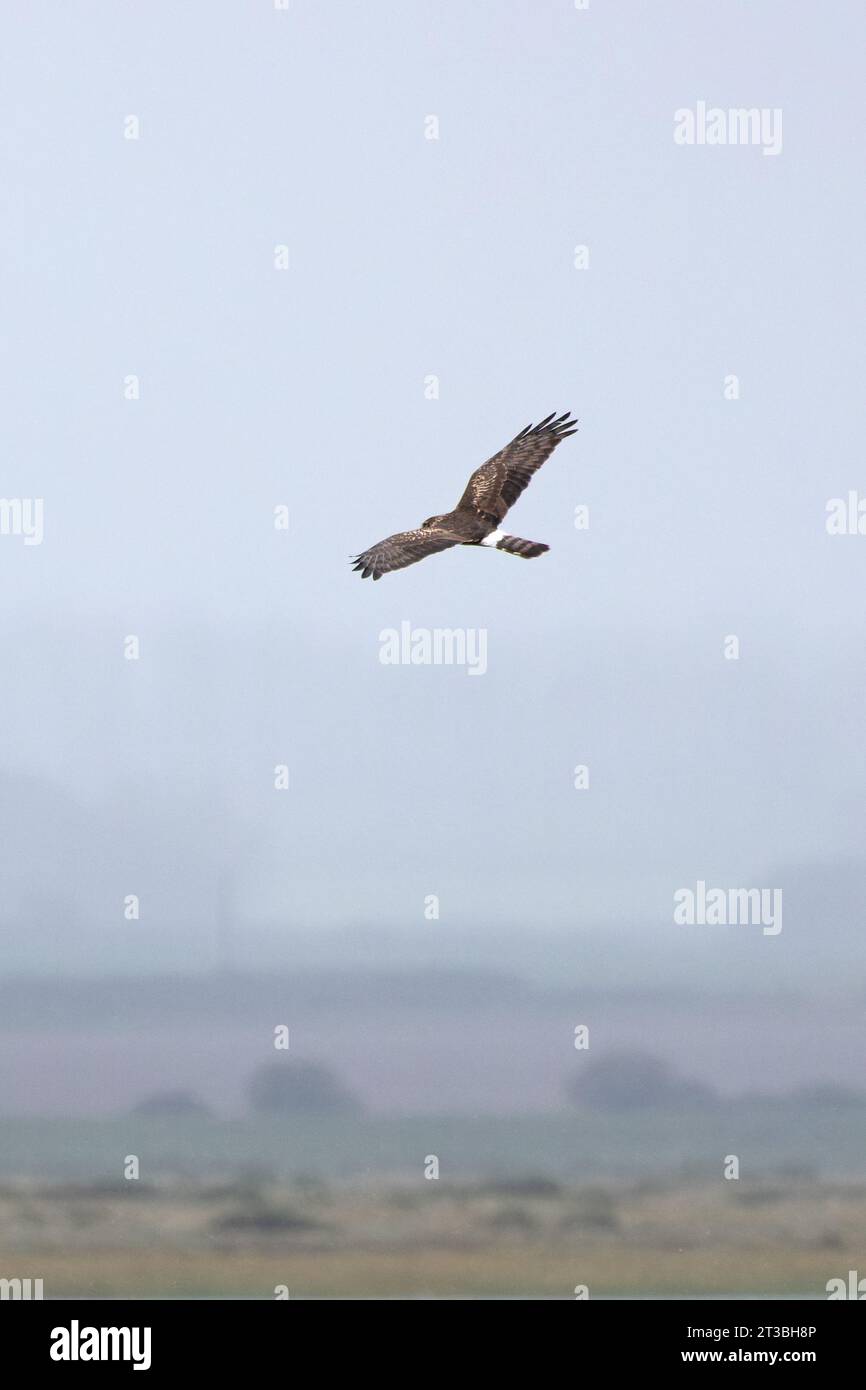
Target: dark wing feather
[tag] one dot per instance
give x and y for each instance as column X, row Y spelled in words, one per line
column 497, row 484
column 405, row 548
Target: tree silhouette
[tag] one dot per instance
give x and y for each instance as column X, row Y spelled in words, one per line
column 299, row 1088
column 635, row 1081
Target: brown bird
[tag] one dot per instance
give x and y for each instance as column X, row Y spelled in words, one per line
column 492, row 489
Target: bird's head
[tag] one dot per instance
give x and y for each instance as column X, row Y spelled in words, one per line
column 431, row 521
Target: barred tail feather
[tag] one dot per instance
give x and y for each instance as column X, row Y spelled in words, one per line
column 528, row 550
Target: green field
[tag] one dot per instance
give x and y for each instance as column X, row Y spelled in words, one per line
column 827, row 1142
column 630, row 1205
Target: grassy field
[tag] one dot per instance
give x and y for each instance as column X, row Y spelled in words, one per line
column 513, row 1238
column 570, row 1146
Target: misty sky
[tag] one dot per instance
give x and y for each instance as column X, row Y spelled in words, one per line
column 306, row 387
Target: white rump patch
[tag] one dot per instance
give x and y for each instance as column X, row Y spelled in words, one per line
column 494, row 538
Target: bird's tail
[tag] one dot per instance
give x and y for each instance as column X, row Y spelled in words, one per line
column 526, row 549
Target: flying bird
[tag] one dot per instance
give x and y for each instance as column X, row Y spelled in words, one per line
column 492, row 489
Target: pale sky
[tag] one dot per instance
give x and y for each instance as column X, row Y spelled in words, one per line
column 411, row 257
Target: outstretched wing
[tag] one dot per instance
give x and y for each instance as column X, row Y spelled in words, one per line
column 405, row 548
column 497, row 484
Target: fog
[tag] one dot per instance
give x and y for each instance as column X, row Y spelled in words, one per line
column 220, row 810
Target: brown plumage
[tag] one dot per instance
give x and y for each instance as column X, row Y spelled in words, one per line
column 492, row 489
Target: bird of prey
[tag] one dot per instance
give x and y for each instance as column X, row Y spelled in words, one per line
column 492, row 489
